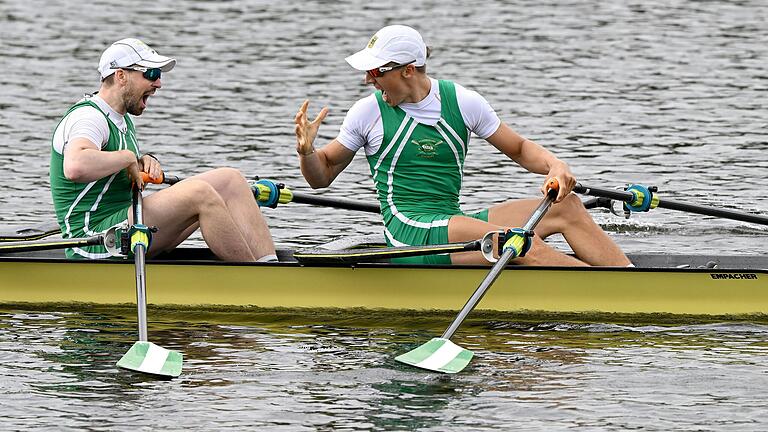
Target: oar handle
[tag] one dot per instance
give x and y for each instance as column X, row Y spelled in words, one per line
column 165, row 179
column 553, row 187
column 509, row 253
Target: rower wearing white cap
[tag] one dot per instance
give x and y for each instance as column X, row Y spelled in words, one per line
column 415, row 133
column 95, row 159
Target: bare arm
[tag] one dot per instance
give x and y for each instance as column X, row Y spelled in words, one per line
column 84, row 162
column 534, row 158
column 319, row 167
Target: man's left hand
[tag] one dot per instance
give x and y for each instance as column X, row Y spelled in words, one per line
column 565, row 178
column 151, row 166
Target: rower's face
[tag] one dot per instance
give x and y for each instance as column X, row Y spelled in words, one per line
column 392, row 85
column 138, row 91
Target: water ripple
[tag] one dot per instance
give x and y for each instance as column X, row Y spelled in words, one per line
column 668, row 94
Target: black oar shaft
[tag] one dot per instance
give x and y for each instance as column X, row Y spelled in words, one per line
column 38, row 245
column 497, row 268
column 170, row 179
column 674, row 205
column 605, row 193
column 711, row 211
column 346, row 204
column 303, row 198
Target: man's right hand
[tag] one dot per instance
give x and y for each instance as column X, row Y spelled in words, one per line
column 134, row 172
column 306, row 131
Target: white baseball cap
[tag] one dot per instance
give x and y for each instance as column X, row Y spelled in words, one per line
column 129, row 52
column 396, row 43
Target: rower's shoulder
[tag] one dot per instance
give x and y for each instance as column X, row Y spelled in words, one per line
column 85, row 110
column 367, row 101
column 365, row 107
column 466, row 93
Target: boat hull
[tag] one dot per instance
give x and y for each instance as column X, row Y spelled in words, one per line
column 385, row 286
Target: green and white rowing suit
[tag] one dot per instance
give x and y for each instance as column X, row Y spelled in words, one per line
column 418, row 167
column 86, row 209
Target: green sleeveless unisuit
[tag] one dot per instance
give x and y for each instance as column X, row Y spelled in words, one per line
column 85, row 209
column 418, row 172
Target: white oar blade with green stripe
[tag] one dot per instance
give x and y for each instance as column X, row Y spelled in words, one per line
column 152, row 359
column 439, row 355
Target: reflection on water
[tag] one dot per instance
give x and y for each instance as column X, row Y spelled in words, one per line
column 335, row 369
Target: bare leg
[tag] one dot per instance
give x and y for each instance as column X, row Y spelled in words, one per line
column 589, row 242
column 169, row 246
column 461, row 228
column 181, row 237
column 230, row 184
column 178, row 210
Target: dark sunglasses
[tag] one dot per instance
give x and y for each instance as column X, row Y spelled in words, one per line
column 379, row 71
column 151, row 74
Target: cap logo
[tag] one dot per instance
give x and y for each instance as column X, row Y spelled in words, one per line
column 113, row 64
column 373, row 41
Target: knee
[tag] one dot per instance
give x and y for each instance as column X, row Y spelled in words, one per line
column 229, row 176
column 571, row 206
column 229, row 183
column 230, row 173
column 202, row 193
column 567, row 212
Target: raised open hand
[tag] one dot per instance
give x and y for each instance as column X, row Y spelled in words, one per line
column 306, row 131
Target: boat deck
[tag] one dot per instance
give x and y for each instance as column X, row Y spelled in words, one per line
column 190, row 255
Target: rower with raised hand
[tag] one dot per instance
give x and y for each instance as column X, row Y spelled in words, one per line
column 95, row 159
column 415, row 132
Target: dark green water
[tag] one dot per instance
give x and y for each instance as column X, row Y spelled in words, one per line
column 334, row 370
